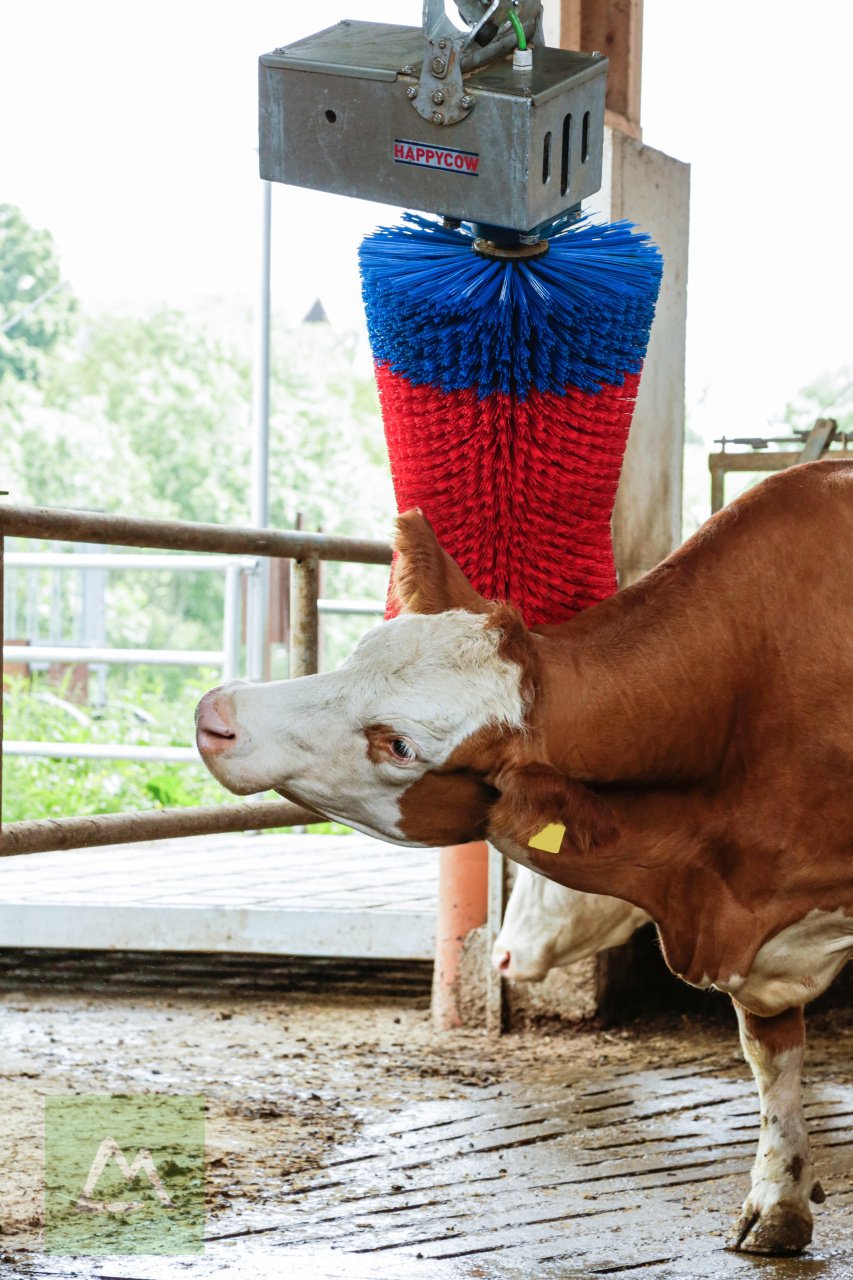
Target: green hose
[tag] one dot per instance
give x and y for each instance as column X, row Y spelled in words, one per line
column 519, row 29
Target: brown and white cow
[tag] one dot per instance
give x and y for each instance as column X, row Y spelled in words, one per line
column 547, row 925
column 686, row 746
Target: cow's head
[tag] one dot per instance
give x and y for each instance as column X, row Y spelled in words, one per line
column 547, row 925
column 426, row 735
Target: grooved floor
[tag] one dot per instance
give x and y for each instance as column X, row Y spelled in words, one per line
column 608, row 1171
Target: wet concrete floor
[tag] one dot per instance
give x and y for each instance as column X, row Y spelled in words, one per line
column 568, row 1156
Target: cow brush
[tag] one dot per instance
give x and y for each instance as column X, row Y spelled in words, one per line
column 507, row 360
column 507, row 389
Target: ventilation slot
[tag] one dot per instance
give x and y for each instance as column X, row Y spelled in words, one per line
column 585, row 138
column 546, row 157
column 566, row 158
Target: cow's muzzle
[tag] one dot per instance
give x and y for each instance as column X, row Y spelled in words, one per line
column 214, row 729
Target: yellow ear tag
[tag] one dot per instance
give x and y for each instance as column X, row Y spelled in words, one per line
column 549, row 838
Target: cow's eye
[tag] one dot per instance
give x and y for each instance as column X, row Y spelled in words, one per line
column 402, row 751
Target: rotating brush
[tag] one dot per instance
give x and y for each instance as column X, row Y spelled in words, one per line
column 507, row 386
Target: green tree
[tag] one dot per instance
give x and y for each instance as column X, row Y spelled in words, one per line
column 37, row 308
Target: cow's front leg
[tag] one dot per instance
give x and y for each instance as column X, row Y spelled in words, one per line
column 776, row 1217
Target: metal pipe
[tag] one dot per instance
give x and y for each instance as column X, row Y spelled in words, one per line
column 2, row 676
column 48, row 834
column 462, row 906
column 371, row 607
column 120, row 657
column 231, row 624
column 259, row 499
column 114, row 560
column 257, row 595
column 182, row 535
column 304, row 618
column 495, row 990
column 99, row 751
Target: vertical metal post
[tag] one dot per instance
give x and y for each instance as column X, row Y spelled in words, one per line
column 231, row 624
column 2, row 681
column 462, row 906
column 494, row 980
column 304, row 617
column 258, row 583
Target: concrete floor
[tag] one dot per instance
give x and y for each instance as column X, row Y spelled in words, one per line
column 572, row 1154
column 268, row 894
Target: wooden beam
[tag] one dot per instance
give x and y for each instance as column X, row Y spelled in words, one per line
column 615, row 28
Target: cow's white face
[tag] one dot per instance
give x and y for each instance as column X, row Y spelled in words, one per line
column 355, row 743
column 547, row 925
column 427, row 735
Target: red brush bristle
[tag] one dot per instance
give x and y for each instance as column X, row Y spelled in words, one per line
column 520, row 493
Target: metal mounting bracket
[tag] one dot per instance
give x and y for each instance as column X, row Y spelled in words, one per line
column 440, row 95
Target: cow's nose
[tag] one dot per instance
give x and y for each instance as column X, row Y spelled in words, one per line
column 213, row 733
column 502, row 961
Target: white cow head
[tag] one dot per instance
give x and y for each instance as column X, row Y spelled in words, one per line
column 547, row 925
column 426, row 735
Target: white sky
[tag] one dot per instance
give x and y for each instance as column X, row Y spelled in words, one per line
column 129, row 131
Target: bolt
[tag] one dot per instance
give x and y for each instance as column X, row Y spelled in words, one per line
column 437, row 97
column 596, row 54
column 442, row 44
column 407, row 70
column 437, row 117
column 465, row 102
column 438, row 65
column 411, row 92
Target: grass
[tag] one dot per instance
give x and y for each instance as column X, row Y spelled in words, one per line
column 143, row 707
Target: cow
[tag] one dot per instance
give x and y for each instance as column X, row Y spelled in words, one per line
column 685, row 745
column 547, row 926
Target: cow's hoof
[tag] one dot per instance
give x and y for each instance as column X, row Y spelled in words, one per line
column 782, row 1229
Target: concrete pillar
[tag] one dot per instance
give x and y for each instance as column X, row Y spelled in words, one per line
column 653, row 190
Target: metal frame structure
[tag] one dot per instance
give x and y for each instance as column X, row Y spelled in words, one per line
column 812, row 445
column 305, row 550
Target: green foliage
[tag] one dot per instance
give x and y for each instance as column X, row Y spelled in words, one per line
column 140, row 711
column 30, row 274
column 137, row 713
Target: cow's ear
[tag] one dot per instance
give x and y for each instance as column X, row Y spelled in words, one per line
column 540, row 808
column 424, row 578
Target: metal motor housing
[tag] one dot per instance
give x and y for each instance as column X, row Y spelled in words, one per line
column 336, row 114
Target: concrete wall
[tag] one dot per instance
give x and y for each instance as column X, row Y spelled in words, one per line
column 653, row 190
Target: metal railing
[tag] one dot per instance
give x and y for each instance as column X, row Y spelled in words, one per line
column 226, row 658
column 235, row 568
column 823, row 440
column 305, row 550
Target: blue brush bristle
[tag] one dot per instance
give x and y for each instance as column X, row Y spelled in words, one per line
column 578, row 316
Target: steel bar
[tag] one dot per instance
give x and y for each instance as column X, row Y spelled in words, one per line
column 495, row 994
column 121, row 657
column 304, row 618
column 99, row 751
column 49, row 834
column 231, row 623
column 185, row 535
column 374, row 608
column 115, row 560
column 2, row 681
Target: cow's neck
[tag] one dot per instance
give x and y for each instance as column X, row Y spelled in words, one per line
column 628, row 696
